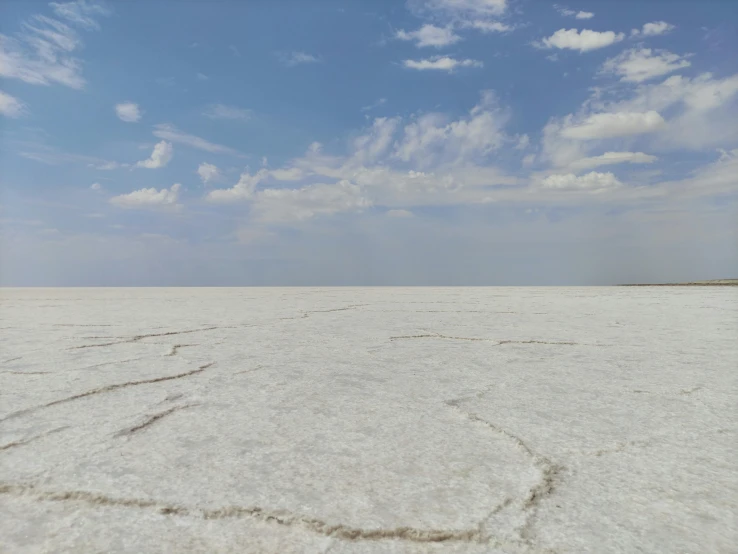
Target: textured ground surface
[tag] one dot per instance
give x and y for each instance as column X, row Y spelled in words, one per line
column 495, row 420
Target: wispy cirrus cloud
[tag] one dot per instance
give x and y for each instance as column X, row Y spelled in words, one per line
column 222, row 111
column 10, row 106
column 169, row 132
column 291, row 59
column 42, row 53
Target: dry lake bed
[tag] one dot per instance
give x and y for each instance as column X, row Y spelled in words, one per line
column 276, row 420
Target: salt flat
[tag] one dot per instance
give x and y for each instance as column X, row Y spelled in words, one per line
column 503, row 420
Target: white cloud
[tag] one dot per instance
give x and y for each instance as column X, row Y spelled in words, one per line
column 430, row 35
column 583, row 41
column 370, row 146
column 699, row 94
column 221, row 111
column 170, row 132
column 296, row 58
column 10, row 106
column 593, row 181
column 288, row 174
column 95, row 186
column 42, row 52
column 399, row 213
column 440, row 63
column 243, row 190
column 481, row 15
column 162, row 154
column 208, row 172
column 608, row 125
column 486, row 26
column 612, row 158
column 431, row 139
column 148, row 198
column 374, row 105
column 292, row 205
column 128, row 112
column 80, row 12
column 461, row 9
column 572, row 13
column 653, row 29
column 702, row 113
column 638, row 65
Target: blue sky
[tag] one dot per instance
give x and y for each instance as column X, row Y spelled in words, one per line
column 428, row 142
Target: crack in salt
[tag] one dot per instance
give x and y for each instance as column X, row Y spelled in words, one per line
column 105, row 389
column 498, row 342
column 550, row 471
column 141, row 337
column 281, row 517
column 152, row 419
column 23, row 442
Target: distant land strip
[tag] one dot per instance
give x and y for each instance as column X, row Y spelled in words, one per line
column 712, row 283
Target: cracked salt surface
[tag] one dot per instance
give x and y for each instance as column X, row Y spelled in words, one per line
column 365, row 420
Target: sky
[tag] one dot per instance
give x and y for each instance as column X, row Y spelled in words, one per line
column 427, row 142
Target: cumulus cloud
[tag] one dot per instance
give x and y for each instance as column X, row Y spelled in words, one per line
column 221, row 111
column 95, row 186
column 486, row 26
column 208, row 172
column 242, row 190
column 641, row 64
column 592, row 181
column 440, row 63
column 699, row 94
column 583, row 41
column 612, row 158
column 608, row 125
column 291, row 205
column 161, row 156
column 171, row 133
column 432, row 139
column 653, row 29
column 287, row 174
column 10, row 106
column 128, row 112
column 430, row 35
column 584, row 15
column 148, row 198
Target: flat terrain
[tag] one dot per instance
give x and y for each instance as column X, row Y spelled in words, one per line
column 496, row 420
column 711, row 283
